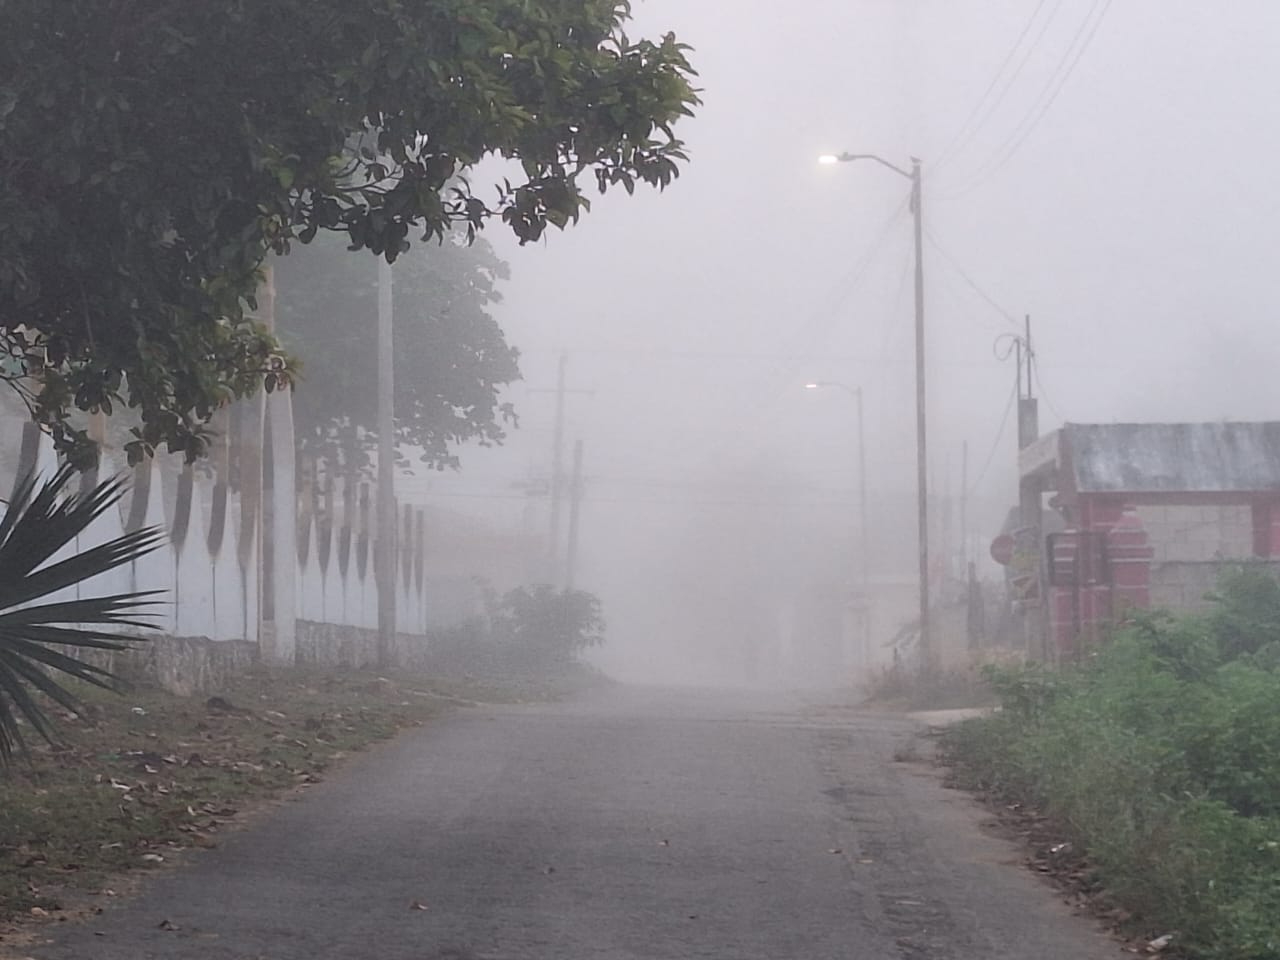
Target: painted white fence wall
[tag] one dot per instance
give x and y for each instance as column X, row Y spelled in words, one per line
column 210, row 569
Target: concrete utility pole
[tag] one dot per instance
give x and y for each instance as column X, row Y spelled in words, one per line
column 922, row 453
column 385, row 559
column 575, row 509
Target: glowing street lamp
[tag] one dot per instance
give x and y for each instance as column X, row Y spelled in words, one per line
column 922, row 461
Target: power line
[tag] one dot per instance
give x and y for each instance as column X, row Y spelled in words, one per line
column 893, row 315
column 995, row 446
column 819, row 321
column 1045, row 100
column 655, row 501
column 1035, row 365
column 964, row 275
column 823, row 317
column 968, row 129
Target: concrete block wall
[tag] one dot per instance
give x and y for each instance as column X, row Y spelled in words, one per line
column 1182, row 586
column 1182, row 534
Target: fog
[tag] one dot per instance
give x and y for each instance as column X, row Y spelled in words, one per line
column 1111, row 181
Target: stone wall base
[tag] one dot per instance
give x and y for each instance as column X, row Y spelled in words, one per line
column 181, row 665
column 187, row 666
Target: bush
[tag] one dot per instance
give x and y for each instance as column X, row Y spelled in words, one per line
column 529, row 631
column 547, row 624
column 1160, row 757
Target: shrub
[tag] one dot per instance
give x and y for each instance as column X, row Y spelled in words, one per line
column 1160, row 756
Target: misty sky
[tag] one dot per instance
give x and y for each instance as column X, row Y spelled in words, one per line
column 1134, row 219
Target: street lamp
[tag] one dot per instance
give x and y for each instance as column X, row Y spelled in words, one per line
column 922, row 460
column 856, row 393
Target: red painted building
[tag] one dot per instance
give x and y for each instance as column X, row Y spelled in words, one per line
column 1119, row 488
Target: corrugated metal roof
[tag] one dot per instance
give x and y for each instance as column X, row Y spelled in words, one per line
column 1174, row 457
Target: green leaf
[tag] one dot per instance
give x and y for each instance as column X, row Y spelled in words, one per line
column 39, row 523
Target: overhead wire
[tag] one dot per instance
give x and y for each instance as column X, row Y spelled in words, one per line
column 817, row 324
column 799, row 500
column 823, row 317
column 964, row 275
column 995, row 446
column 1035, row 367
column 968, row 129
column 1048, row 96
column 891, row 315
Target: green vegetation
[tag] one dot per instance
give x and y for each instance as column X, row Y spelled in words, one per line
column 451, row 358
column 1160, row 758
column 39, row 625
column 535, row 632
column 153, row 155
column 137, row 780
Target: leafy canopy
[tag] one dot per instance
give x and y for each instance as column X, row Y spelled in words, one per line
column 451, row 358
column 152, row 153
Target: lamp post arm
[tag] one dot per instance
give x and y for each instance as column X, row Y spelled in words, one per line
column 852, row 391
column 850, row 157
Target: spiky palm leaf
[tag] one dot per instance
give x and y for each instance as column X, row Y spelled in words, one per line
column 42, row 519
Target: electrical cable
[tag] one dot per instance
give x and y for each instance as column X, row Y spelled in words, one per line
column 995, row 446
column 818, row 324
column 1044, row 101
column 825, row 316
column 1035, row 367
column 973, row 285
column 966, row 132
column 891, row 315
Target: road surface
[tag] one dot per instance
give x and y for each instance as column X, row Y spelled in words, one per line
column 634, row 824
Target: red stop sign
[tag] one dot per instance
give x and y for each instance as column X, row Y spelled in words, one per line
column 1002, row 549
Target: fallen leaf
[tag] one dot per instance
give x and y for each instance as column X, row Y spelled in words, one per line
column 835, row 850
column 418, row 905
column 168, row 925
column 39, row 912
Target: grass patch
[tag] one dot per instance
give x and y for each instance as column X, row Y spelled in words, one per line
column 909, row 689
column 1158, row 758
column 146, row 775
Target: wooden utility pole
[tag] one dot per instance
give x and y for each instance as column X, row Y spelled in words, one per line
column 555, row 573
column 575, row 510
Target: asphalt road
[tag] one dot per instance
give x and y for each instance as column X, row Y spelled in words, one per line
column 637, row 824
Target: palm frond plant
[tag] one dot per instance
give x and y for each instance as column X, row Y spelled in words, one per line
column 36, row 626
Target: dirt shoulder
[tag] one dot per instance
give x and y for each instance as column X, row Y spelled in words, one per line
column 143, row 779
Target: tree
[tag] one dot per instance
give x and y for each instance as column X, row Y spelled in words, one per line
column 153, row 153
column 451, row 357
column 37, row 627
